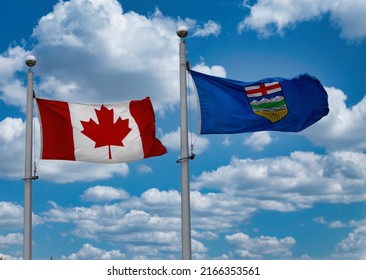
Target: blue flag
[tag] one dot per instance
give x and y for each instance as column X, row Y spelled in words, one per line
column 278, row 104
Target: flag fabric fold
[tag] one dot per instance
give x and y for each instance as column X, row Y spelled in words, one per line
column 276, row 104
column 102, row 133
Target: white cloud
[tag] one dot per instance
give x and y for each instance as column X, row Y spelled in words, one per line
column 196, row 30
column 209, row 28
column 107, row 53
column 290, row 183
column 227, row 141
column 336, row 224
column 117, row 225
column 142, row 252
column 117, row 222
column 226, row 209
column 206, row 235
column 12, row 90
column 199, row 250
column 339, row 224
column 171, row 140
column 349, row 16
column 143, row 169
column 11, row 239
column 219, row 211
column 11, row 215
column 61, row 90
column 260, row 247
column 89, row 252
column 215, row 70
column 95, row 212
column 270, row 17
column 104, row 193
column 267, row 17
column 320, row 220
column 69, row 171
column 258, row 140
column 354, row 246
column 152, row 222
column 342, row 129
column 12, row 135
column 157, row 197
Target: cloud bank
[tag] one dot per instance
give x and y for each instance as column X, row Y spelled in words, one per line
column 268, row 17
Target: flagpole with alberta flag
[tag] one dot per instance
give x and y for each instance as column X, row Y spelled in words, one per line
column 182, row 33
column 30, row 61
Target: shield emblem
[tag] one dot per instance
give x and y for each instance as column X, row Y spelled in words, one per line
column 267, row 100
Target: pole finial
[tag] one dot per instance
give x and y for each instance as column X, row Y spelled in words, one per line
column 30, row 60
column 182, row 31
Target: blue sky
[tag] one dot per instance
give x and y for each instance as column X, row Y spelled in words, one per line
column 265, row 195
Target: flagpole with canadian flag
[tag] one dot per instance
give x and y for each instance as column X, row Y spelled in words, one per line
column 30, row 61
column 182, row 32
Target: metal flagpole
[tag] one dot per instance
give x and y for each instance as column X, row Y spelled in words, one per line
column 182, row 32
column 30, row 61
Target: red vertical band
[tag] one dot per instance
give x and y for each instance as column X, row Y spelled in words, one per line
column 57, row 135
column 143, row 113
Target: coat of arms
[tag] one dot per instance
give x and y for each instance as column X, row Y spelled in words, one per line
column 267, row 100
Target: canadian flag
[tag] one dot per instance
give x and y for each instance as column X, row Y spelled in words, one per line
column 105, row 133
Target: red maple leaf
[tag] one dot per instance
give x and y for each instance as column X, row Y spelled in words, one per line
column 107, row 132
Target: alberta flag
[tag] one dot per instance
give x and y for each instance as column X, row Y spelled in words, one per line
column 278, row 104
column 104, row 133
